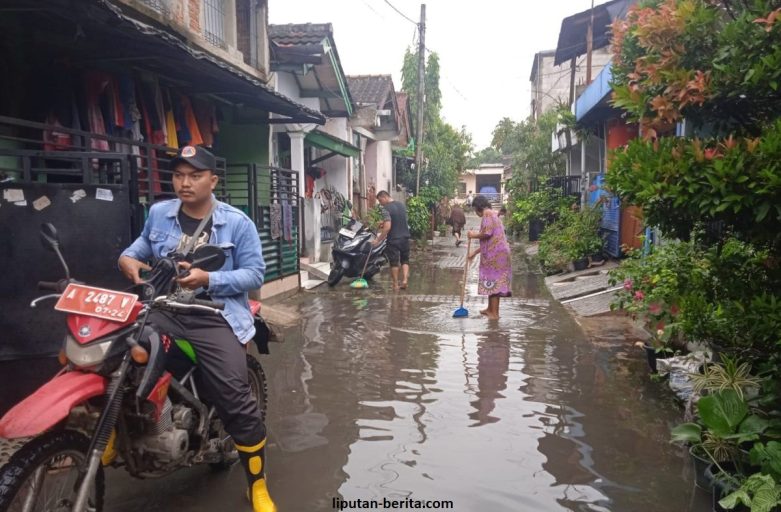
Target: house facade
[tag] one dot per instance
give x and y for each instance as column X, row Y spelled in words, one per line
column 488, row 179
column 307, row 67
column 379, row 123
column 104, row 94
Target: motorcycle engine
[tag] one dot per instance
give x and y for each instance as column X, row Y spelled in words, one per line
column 164, row 439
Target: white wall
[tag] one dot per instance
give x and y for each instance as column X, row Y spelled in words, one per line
column 551, row 83
column 384, row 165
column 338, row 168
column 286, row 84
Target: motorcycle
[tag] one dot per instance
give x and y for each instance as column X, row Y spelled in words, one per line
column 349, row 253
column 114, row 403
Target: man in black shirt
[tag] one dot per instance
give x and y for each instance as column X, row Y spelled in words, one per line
column 396, row 230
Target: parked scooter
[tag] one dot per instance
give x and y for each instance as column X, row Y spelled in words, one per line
column 114, row 403
column 350, row 250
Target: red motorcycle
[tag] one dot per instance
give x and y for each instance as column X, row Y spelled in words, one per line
column 114, row 403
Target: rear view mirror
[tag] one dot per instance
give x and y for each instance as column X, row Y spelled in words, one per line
column 209, row 258
column 49, row 237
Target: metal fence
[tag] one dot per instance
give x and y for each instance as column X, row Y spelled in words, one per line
column 268, row 195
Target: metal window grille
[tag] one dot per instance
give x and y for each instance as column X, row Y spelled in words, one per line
column 214, row 22
column 157, row 5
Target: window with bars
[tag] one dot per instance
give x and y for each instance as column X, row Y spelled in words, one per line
column 156, row 5
column 214, row 22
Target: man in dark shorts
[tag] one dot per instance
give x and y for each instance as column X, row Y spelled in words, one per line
column 396, row 230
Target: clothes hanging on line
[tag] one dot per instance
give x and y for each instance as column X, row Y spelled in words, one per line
column 287, row 221
column 275, row 215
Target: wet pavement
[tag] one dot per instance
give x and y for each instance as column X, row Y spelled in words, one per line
column 377, row 395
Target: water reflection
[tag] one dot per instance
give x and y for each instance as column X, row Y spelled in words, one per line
column 493, row 361
column 380, row 395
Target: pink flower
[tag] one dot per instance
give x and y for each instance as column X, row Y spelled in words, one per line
column 628, row 285
column 655, row 308
column 674, row 310
column 639, row 295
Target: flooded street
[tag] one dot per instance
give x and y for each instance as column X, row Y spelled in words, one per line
column 380, row 395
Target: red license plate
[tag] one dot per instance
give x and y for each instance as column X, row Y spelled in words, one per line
column 97, row 302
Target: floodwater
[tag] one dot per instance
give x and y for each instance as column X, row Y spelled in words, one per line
column 377, row 395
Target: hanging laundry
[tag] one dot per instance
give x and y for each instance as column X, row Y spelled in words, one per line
column 152, row 116
column 182, row 133
column 170, row 123
column 192, row 124
column 275, row 215
column 127, row 99
column 206, row 116
column 95, row 84
column 287, row 221
column 116, row 107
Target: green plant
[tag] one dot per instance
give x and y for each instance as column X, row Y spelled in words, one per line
column 760, row 492
column 373, row 217
column 725, row 422
column 729, row 374
column 418, row 217
column 544, row 205
column 572, row 236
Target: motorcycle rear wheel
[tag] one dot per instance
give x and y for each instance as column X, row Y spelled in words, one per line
column 43, row 474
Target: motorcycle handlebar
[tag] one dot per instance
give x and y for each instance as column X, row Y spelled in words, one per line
column 49, row 286
column 209, row 304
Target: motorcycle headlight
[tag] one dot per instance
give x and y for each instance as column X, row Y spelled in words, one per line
column 87, row 355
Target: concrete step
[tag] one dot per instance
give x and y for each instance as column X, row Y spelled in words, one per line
column 311, row 283
column 317, row 270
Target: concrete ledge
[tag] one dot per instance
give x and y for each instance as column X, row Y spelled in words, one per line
column 287, row 285
column 317, row 270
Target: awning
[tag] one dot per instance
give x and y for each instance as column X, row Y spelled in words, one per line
column 593, row 105
column 572, row 36
column 107, row 36
column 328, row 142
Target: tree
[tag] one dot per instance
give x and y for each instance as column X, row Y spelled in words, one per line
column 487, row 155
column 528, row 144
column 445, row 148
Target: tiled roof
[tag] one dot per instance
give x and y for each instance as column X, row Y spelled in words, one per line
column 294, row 34
column 370, row 89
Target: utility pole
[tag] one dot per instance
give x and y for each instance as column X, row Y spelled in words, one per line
column 421, row 93
column 589, row 44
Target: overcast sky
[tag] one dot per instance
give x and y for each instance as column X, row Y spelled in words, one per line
column 486, row 47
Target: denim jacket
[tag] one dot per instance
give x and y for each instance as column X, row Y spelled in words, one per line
column 232, row 230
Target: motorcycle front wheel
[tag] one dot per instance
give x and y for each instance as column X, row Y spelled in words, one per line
column 44, row 476
column 335, row 276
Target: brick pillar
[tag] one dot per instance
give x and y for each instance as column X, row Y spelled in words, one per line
column 195, row 15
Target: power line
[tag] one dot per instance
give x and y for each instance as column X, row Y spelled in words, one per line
column 374, row 10
column 401, row 13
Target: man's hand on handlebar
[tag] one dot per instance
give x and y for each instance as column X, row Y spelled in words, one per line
column 194, row 277
column 132, row 267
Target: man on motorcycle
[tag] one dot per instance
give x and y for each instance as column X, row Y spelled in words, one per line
column 218, row 339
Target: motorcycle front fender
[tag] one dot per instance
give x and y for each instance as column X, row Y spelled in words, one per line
column 50, row 404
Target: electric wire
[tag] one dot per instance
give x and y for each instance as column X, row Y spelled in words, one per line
column 401, row 13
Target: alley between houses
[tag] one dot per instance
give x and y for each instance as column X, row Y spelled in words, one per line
column 378, row 395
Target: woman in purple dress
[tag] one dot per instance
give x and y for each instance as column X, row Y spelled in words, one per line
column 495, row 269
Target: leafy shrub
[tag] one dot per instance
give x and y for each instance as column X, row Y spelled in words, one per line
column 543, row 205
column 418, row 217
column 574, row 235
